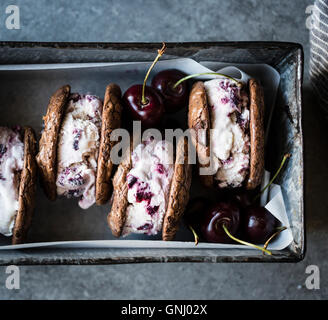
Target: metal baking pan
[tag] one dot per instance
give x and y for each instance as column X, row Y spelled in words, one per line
column 286, row 135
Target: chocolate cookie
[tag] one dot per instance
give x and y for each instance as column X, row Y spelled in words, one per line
column 111, row 120
column 27, row 189
column 47, row 156
column 117, row 216
column 199, row 121
column 179, row 192
column 256, row 110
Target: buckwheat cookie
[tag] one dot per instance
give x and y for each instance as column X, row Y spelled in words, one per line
column 27, row 189
column 179, row 192
column 117, row 216
column 47, row 156
column 256, row 110
column 199, row 122
column 111, row 120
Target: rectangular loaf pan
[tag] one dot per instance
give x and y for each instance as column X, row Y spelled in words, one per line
column 286, row 135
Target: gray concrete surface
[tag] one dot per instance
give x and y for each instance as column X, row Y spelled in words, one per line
column 184, row 20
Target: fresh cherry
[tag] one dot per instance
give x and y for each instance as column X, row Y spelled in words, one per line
column 144, row 103
column 151, row 113
column 258, row 224
column 175, row 98
column 216, row 223
column 222, row 213
column 195, row 210
column 242, row 198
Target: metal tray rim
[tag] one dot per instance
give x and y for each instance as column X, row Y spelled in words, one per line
column 291, row 257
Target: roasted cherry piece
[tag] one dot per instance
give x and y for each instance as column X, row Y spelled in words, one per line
column 150, row 114
column 258, row 224
column 175, row 98
column 222, row 213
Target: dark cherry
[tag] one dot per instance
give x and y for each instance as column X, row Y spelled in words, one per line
column 174, row 98
column 258, row 224
column 221, row 213
column 151, row 113
column 242, row 198
column 195, row 210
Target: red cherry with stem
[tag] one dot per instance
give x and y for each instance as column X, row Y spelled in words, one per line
column 144, row 103
column 175, row 97
column 226, row 213
column 151, row 113
column 221, row 223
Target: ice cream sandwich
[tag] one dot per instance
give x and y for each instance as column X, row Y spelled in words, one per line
column 74, row 152
column 18, row 172
column 151, row 189
column 227, row 120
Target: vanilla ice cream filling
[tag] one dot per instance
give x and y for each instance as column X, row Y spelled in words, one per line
column 149, row 182
column 229, row 134
column 78, row 146
column 11, row 165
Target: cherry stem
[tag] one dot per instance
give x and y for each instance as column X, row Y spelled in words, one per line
column 195, row 234
column 159, row 54
column 286, row 156
column 244, row 242
column 280, row 229
column 203, row 74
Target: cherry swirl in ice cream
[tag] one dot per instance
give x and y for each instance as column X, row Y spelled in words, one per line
column 149, row 182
